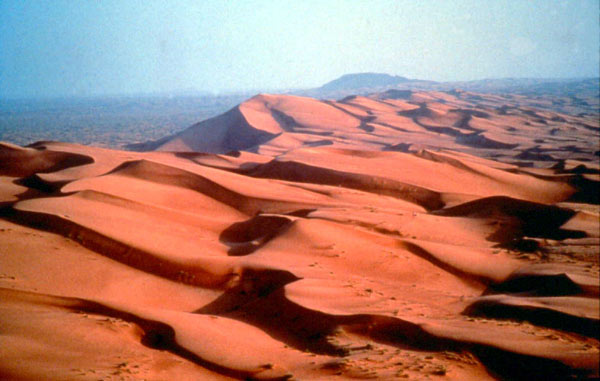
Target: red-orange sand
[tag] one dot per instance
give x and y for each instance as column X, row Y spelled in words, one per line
column 290, row 238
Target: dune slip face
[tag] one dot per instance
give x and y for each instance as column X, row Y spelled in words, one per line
column 401, row 235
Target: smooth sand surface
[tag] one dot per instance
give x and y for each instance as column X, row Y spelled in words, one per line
column 426, row 235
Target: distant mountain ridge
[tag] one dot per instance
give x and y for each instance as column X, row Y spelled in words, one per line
column 363, row 80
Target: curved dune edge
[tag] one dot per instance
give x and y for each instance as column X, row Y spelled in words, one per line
column 224, row 346
column 302, row 261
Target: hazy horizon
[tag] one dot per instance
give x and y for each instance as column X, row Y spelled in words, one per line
column 66, row 48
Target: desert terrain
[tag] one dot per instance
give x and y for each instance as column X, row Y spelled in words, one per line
column 108, row 122
column 426, row 235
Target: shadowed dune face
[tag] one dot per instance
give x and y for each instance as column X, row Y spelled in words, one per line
column 36, row 160
column 400, row 235
column 248, row 236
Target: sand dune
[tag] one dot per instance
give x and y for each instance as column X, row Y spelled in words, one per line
column 420, row 235
column 485, row 125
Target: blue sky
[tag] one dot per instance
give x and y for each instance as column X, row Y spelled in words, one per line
column 58, row 48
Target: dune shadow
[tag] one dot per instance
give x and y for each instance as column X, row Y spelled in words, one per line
column 537, row 285
column 543, row 317
column 37, row 184
column 143, row 260
column 265, row 306
column 524, row 287
column 259, row 300
column 161, row 336
column 246, row 237
column 512, row 366
column 19, row 162
column 305, row 173
column 516, row 219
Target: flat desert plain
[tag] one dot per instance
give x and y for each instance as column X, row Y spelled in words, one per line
column 401, row 235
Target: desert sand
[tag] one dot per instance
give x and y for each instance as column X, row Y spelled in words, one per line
column 402, row 235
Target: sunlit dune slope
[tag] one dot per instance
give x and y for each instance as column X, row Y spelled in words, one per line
column 402, row 235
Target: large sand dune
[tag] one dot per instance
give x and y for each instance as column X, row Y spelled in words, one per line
column 420, row 235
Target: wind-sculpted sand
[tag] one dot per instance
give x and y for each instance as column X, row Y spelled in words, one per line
column 402, row 235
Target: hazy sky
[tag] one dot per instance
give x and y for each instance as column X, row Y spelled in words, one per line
column 56, row 48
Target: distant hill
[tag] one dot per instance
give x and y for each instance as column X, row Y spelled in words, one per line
column 363, row 80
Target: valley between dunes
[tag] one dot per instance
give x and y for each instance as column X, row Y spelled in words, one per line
column 403, row 235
